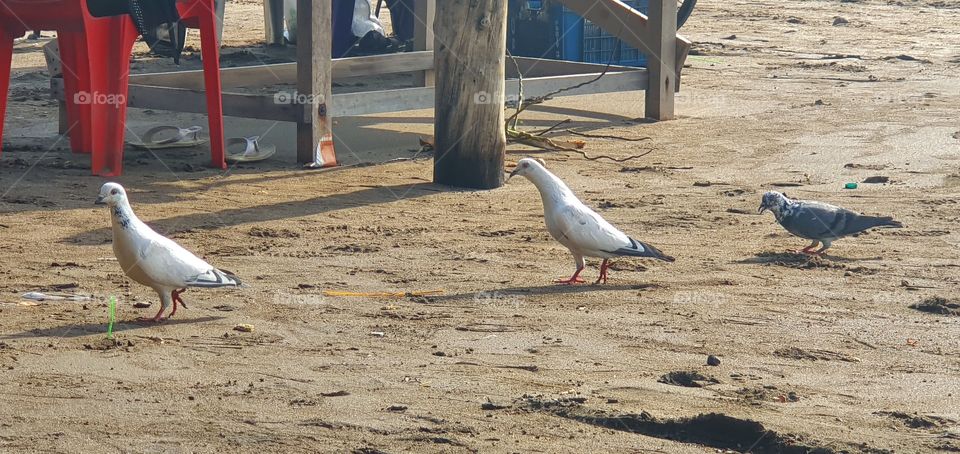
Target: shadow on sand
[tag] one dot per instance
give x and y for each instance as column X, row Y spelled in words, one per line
column 72, row 330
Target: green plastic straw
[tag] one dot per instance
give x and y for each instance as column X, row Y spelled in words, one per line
column 113, row 316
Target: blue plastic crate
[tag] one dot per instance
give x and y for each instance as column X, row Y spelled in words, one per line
column 542, row 29
column 581, row 40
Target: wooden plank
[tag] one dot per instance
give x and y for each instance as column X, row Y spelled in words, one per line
column 661, row 63
column 470, row 62
column 286, row 73
column 423, row 38
column 382, row 101
column 382, row 64
column 541, row 67
column 365, row 103
column 314, row 70
column 265, row 107
column 262, row 107
column 627, row 24
column 609, row 83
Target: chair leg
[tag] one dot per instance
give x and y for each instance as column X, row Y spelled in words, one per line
column 6, row 58
column 109, row 78
column 210, row 48
column 77, row 92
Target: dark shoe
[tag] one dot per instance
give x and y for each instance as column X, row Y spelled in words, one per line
column 374, row 42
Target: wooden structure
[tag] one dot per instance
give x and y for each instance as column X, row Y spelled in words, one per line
column 315, row 71
column 469, row 139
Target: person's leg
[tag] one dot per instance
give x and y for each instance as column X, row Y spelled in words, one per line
column 402, row 17
column 343, row 38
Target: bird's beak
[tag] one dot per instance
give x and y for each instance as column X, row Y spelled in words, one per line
column 99, row 201
column 512, row 174
column 761, row 209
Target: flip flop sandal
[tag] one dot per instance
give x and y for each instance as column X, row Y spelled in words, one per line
column 253, row 151
column 183, row 138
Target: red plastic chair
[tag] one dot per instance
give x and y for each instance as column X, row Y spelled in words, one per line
column 95, row 83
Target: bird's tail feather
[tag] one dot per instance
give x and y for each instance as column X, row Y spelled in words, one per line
column 881, row 221
column 641, row 249
column 889, row 222
column 216, row 278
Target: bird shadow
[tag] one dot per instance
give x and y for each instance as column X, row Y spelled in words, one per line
column 73, row 330
column 504, row 293
column 796, row 258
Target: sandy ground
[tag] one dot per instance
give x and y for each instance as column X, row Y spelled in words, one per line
column 816, row 354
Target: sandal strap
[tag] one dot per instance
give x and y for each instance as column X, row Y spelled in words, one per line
column 182, row 133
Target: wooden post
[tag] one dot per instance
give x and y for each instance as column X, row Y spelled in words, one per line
column 662, row 63
column 51, row 51
column 273, row 15
column 469, row 58
column 314, row 66
column 424, row 13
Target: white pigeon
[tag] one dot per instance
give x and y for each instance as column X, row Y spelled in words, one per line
column 579, row 228
column 154, row 260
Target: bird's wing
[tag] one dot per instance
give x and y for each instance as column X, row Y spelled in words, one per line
column 816, row 220
column 167, row 263
column 583, row 230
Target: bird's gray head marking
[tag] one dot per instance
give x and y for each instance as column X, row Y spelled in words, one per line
column 776, row 202
column 528, row 166
column 111, row 194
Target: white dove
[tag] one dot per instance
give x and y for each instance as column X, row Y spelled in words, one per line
column 579, row 228
column 154, row 260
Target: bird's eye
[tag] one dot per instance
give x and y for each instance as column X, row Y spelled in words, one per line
column 526, row 164
column 114, row 192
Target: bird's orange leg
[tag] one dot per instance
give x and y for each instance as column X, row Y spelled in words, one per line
column 807, row 250
column 603, row 272
column 573, row 279
column 175, row 295
column 156, row 318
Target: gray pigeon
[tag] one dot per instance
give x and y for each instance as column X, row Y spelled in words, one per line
column 579, row 228
column 819, row 222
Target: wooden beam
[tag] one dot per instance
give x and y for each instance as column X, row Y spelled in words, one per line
column 266, row 107
column 470, row 144
column 540, row 67
column 627, row 24
column 286, row 73
column 373, row 102
column 314, row 70
column 262, row 107
column 423, row 39
column 662, row 62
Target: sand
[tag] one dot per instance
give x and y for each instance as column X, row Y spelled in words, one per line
column 822, row 353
